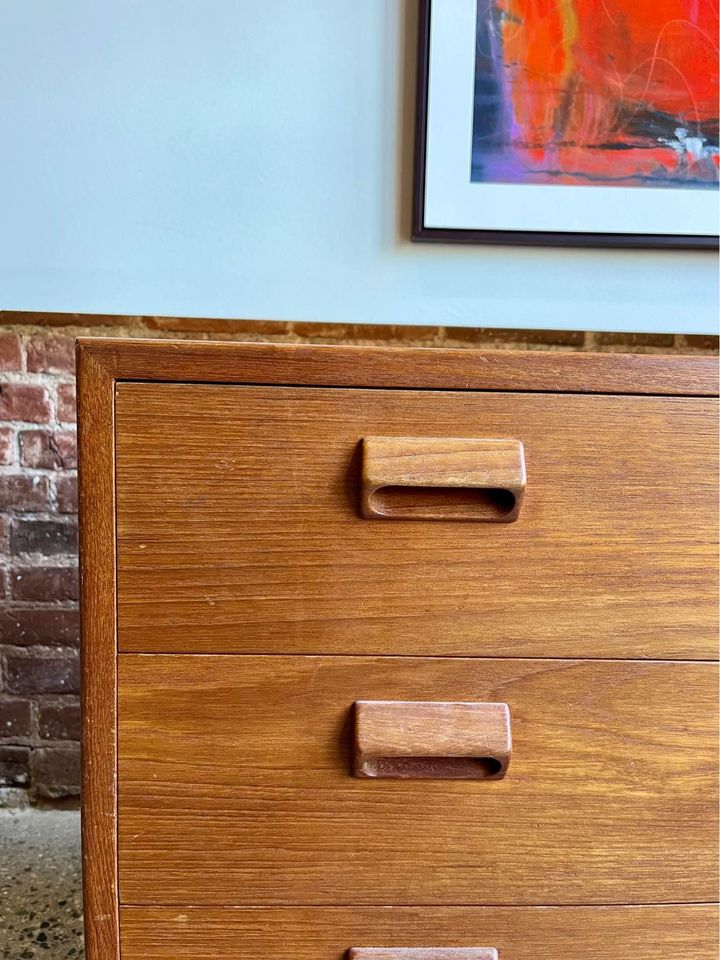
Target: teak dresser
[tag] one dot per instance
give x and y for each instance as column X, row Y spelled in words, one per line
column 398, row 654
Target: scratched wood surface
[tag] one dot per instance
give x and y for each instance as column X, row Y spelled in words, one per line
column 236, row 784
column 580, row 933
column 239, row 527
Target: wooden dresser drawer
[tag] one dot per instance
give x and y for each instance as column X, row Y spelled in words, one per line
column 326, row 710
column 239, row 528
column 236, row 784
column 570, row 933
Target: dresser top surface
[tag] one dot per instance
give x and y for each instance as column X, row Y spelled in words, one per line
column 412, row 368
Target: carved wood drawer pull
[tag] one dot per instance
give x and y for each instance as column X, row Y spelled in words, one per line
column 425, row 478
column 422, row 953
column 428, row 740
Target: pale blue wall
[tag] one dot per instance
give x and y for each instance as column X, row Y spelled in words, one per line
column 247, row 158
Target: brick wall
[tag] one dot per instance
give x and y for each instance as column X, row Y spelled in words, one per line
column 39, row 622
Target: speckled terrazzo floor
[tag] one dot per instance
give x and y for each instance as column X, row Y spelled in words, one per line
column 40, row 895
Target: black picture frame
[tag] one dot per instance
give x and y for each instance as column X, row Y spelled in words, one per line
column 424, row 234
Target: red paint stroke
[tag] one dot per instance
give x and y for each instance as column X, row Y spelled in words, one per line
column 611, row 89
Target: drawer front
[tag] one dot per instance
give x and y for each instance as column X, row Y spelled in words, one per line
column 236, row 786
column 239, row 526
column 571, row 933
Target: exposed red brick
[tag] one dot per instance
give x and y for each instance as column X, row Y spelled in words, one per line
column 631, row 340
column 313, row 331
column 23, row 493
column 67, row 494
column 48, row 450
column 14, row 766
column 66, row 403
column 10, row 353
column 44, row 583
column 489, row 337
column 24, row 401
column 3, row 583
column 215, row 325
column 243, row 329
column 697, row 341
column 49, row 537
column 42, row 671
column 47, row 626
column 16, row 719
column 51, row 354
column 60, row 720
column 41, row 318
column 56, row 771
column 7, row 451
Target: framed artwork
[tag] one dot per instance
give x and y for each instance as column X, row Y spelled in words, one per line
column 568, row 122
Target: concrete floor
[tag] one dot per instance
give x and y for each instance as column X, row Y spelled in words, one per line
column 40, row 895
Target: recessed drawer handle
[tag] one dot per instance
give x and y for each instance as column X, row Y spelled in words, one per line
column 428, row 740
column 426, row 478
column 422, row 953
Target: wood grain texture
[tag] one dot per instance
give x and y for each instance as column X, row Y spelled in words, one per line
column 442, row 479
column 99, row 655
column 422, row 953
column 250, row 788
column 239, row 528
column 236, row 785
column 264, row 363
column 621, row 933
column 430, row 740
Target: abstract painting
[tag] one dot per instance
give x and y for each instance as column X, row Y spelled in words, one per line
column 570, row 122
column 605, row 92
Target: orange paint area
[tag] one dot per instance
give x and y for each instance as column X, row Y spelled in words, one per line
column 605, row 91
